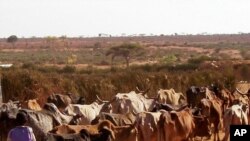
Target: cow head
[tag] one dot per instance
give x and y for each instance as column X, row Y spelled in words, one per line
column 59, row 100
column 51, row 107
column 202, row 126
column 195, row 89
column 81, row 100
column 182, row 98
column 107, row 108
column 205, row 106
column 157, row 106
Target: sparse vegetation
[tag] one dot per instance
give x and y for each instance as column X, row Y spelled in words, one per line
column 80, row 65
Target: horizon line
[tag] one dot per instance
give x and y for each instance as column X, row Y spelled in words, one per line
column 129, row 35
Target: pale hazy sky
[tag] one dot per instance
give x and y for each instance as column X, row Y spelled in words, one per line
column 90, row 17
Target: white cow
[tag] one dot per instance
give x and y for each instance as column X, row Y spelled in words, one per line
column 235, row 115
column 123, row 103
column 87, row 112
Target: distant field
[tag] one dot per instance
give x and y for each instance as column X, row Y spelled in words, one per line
column 91, row 51
column 80, row 65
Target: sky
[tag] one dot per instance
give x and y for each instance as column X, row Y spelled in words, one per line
column 74, row 18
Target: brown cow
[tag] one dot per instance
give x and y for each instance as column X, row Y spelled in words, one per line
column 146, row 123
column 224, row 94
column 176, row 126
column 212, row 110
column 202, row 127
column 84, row 135
column 116, row 119
column 118, row 133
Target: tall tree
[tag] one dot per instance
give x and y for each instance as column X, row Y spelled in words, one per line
column 12, row 39
column 123, row 50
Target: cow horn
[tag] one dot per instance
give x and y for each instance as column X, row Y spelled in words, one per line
column 110, row 131
column 138, row 89
column 99, row 99
column 142, row 92
column 240, row 92
column 16, row 102
column 133, row 112
column 182, row 107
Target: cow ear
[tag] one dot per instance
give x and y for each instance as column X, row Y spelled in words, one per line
column 198, row 89
column 109, row 131
column 84, row 133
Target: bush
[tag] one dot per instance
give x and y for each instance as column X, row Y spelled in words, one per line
column 200, row 59
column 68, row 69
column 169, row 59
column 28, row 66
column 107, row 83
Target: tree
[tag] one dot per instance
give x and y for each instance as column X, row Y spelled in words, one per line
column 12, row 39
column 123, row 50
column 63, row 38
column 50, row 40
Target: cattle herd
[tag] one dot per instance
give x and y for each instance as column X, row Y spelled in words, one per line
column 169, row 116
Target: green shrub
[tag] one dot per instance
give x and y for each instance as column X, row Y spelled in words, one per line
column 169, row 59
column 200, row 59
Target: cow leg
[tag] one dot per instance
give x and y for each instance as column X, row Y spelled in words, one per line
column 226, row 136
column 216, row 135
column 216, row 129
column 141, row 135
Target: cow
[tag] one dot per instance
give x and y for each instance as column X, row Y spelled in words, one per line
column 87, row 112
column 176, row 126
column 62, row 101
column 31, row 104
column 227, row 97
column 146, row 123
column 40, row 121
column 212, row 110
column 60, row 117
column 7, row 117
column 235, row 115
column 170, row 97
column 202, row 124
column 116, row 119
column 195, row 94
column 242, row 97
column 202, row 127
column 9, row 105
column 84, row 135
column 123, row 103
column 7, row 122
column 224, row 94
column 116, row 133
